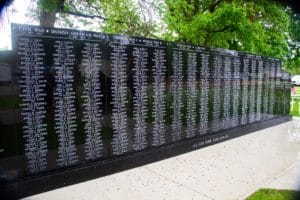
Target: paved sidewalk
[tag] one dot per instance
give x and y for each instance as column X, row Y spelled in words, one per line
column 230, row 170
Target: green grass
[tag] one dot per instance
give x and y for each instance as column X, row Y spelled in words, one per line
column 295, row 102
column 272, row 194
column 295, row 107
column 297, row 89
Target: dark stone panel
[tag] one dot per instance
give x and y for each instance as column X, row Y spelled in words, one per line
column 63, row 177
column 77, row 101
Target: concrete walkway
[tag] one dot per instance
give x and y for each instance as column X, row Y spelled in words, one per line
column 230, row 170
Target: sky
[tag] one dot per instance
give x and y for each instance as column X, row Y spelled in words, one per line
column 16, row 13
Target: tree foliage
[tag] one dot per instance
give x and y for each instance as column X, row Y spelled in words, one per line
column 255, row 26
column 112, row 16
column 123, row 18
column 293, row 62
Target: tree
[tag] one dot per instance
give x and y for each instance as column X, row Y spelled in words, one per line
column 124, row 18
column 257, row 26
column 46, row 11
column 293, row 62
column 112, row 16
column 254, row 26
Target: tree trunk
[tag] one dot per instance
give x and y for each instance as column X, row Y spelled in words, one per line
column 196, row 7
column 47, row 18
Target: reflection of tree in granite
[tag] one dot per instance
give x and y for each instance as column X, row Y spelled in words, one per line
column 204, row 85
column 32, row 86
column 119, row 91
column 272, row 88
column 260, row 74
column 11, row 139
column 64, row 95
column 176, row 86
column 252, row 95
column 245, row 79
column 278, row 93
column 140, row 98
column 9, row 102
column 286, row 105
column 236, row 92
column 124, row 126
column 287, row 92
column 227, row 90
column 159, row 71
column 91, row 95
column 191, row 95
column 216, row 94
column 266, row 90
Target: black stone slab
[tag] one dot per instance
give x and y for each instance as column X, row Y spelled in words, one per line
column 75, row 102
column 59, row 178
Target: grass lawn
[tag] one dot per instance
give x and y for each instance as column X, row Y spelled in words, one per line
column 272, row 194
column 295, row 106
column 295, row 102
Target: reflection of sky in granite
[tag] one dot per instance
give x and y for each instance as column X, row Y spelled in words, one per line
column 108, row 95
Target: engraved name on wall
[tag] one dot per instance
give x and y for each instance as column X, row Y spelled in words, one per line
column 32, row 83
column 98, row 96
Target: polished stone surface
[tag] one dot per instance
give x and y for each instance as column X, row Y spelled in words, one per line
column 78, row 101
column 230, row 170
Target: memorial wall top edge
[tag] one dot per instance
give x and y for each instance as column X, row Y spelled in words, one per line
column 73, row 34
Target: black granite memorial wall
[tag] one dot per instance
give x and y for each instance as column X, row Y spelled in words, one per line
column 78, row 105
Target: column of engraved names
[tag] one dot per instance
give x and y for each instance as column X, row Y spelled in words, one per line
column 278, row 87
column 191, row 94
column 227, row 92
column 286, row 82
column 204, row 84
column 176, row 86
column 32, row 85
column 278, row 76
column 140, row 98
column 64, row 95
column 272, row 89
column 216, row 93
column 252, row 91
column 92, row 113
column 236, row 91
column 266, row 86
column 260, row 74
column 159, row 87
column 245, row 79
column 119, row 101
